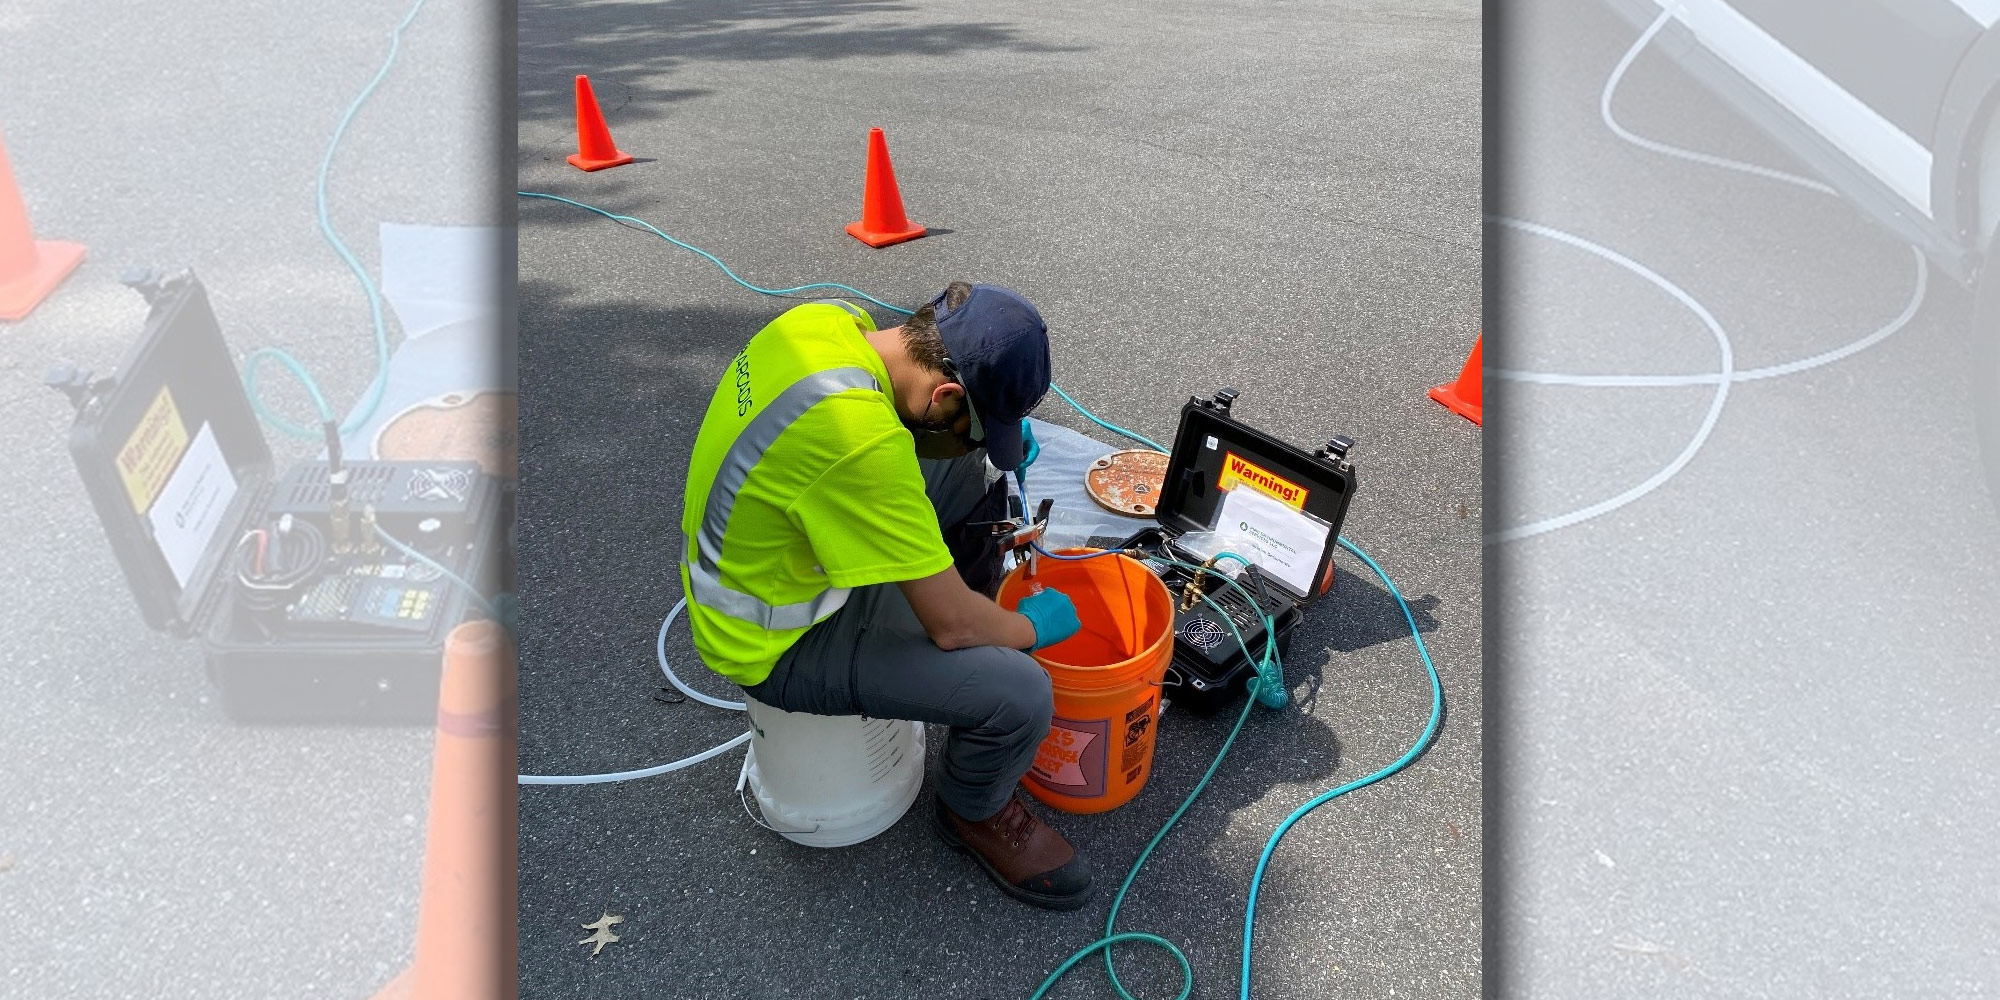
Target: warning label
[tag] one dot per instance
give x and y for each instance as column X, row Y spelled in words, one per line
column 1142, row 711
column 1237, row 471
column 1071, row 758
column 151, row 453
column 1138, row 737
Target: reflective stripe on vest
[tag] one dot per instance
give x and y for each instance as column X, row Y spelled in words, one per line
column 704, row 572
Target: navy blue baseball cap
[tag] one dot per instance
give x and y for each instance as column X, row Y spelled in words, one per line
column 1000, row 348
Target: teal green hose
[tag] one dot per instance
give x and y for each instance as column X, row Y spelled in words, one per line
column 1263, row 862
column 1107, row 425
column 1416, row 749
column 380, row 382
column 731, row 275
column 713, row 259
column 1111, row 936
column 1267, row 683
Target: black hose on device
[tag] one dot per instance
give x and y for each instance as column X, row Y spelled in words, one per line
column 274, row 561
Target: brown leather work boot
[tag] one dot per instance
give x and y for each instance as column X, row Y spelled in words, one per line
column 1027, row 858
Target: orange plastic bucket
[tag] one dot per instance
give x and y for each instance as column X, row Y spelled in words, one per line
column 1107, row 679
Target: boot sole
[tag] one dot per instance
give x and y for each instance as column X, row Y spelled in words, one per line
column 1029, row 896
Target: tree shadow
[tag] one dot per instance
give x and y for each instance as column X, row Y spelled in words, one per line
column 1359, row 612
column 610, row 398
column 628, row 191
column 634, row 40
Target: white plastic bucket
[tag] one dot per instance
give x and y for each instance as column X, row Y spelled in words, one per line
column 831, row 781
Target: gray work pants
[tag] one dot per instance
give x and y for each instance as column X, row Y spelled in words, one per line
column 873, row 658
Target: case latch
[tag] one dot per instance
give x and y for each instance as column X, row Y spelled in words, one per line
column 1335, row 451
column 66, row 378
column 1223, row 397
column 148, row 282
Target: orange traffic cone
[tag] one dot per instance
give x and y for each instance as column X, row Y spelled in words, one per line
column 29, row 269
column 1463, row 396
column 882, row 220
column 594, row 148
column 466, row 936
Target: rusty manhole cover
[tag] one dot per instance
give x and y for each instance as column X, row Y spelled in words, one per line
column 457, row 426
column 1127, row 482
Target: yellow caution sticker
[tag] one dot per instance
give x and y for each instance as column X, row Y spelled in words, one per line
column 1236, row 471
column 153, row 451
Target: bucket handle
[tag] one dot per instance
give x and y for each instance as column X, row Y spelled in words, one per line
column 760, row 821
column 744, row 797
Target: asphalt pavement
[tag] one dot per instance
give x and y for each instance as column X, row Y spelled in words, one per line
column 1743, row 748
column 149, row 847
column 1284, row 200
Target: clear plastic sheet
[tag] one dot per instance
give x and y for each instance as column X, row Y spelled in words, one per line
column 1058, row 475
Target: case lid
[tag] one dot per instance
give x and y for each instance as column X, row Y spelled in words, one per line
column 1214, row 454
column 171, row 455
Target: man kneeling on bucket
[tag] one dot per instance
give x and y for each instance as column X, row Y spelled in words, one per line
column 833, row 463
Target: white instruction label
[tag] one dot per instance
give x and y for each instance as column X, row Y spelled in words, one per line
column 1283, row 542
column 190, row 507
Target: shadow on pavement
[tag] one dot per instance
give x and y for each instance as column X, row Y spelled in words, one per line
column 634, row 39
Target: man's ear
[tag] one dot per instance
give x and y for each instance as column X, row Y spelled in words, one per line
column 946, row 392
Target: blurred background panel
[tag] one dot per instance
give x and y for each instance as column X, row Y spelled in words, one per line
column 1743, row 538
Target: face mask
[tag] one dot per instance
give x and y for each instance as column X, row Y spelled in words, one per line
column 937, row 440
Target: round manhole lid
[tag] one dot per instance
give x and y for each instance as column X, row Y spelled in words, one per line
column 456, row 426
column 1128, row 482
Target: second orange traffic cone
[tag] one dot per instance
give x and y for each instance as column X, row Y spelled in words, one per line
column 594, row 148
column 29, row 268
column 882, row 220
column 466, row 915
column 1463, row 397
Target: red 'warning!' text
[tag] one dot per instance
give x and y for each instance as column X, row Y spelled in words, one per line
column 1236, row 471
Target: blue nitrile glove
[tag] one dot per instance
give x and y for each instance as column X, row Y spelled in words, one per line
column 1052, row 615
column 1030, row 450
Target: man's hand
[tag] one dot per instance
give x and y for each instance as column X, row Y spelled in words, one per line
column 1053, row 614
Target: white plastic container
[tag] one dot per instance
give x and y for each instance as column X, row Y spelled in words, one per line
column 831, row 781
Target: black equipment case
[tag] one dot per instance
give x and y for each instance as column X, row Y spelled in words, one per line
column 1212, row 448
column 180, row 475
